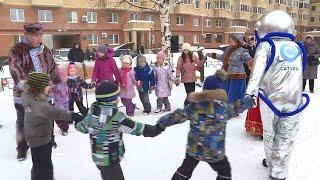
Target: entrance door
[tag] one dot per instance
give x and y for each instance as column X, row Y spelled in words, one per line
column 139, row 39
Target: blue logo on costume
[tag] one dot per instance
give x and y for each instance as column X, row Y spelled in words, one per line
column 288, row 53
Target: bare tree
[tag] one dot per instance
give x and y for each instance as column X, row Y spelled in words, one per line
column 161, row 7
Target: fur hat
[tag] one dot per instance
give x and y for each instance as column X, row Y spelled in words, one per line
column 33, row 28
column 126, row 59
column 216, row 81
column 107, row 92
column 38, row 80
column 208, row 96
column 186, row 46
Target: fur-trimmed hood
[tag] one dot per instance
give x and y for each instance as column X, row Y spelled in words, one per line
column 222, row 74
column 208, row 96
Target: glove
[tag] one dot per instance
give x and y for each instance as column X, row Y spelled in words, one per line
column 152, row 131
column 76, row 117
column 177, row 81
column 249, row 101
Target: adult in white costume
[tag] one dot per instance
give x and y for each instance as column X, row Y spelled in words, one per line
column 277, row 80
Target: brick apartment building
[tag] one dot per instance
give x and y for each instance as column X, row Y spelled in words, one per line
column 200, row 22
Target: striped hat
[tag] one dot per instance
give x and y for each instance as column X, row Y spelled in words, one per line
column 107, row 92
column 38, row 80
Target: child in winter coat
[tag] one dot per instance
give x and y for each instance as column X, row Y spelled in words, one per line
column 164, row 82
column 105, row 66
column 208, row 113
column 38, row 123
column 75, row 85
column 60, row 94
column 128, row 81
column 145, row 82
column 105, row 124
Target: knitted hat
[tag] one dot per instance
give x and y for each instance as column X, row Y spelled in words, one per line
column 38, row 80
column 186, row 46
column 70, row 66
column 216, row 81
column 33, row 28
column 161, row 55
column 103, row 49
column 126, row 59
column 107, row 92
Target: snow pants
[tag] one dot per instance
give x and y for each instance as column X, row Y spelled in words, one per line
column 113, row 172
column 22, row 145
column 184, row 172
column 278, row 136
column 42, row 167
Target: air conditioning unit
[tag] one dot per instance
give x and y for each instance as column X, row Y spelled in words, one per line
column 104, row 35
column 204, row 35
column 215, row 35
column 84, row 18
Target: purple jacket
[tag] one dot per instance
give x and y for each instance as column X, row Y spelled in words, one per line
column 129, row 92
column 105, row 68
column 60, row 95
column 163, row 74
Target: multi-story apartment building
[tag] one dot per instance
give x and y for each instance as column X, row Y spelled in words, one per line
column 200, row 22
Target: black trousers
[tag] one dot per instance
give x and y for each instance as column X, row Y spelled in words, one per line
column 189, row 87
column 144, row 98
column 311, row 84
column 22, row 145
column 185, row 171
column 83, row 110
column 113, row 172
column 42, row 167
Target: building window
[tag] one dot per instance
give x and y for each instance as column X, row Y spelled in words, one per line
column 92, row 17
column 218, row 23
column 93, row 39
column 17, row 15
column 238, row 23
column 186, row 1
column 153, row 39
column 197, row 4
column 180, row 20
column 248, row 25
column 134, row 16
column 113, row 39
column 311, row 19
column 294, row 15
column 280, row 2
column 181, row 39
column 151, row 18
column 230, row 23
column 208, row 22
column 208, row 38
column 313, row 8
column 112, row 17
column 45, row 16
column 196, row 22
column 208, row 5
column 196, row 39
column 17, row 39
column 134, row 1
column 244, row 8
column 305, row 16
column 219, row 38
column 72, row 17
column 222, row 4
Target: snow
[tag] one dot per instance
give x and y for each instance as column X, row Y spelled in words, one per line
column 158, row 158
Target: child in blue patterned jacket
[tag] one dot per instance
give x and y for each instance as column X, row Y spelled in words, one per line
column 208, row 113
column 105, row 124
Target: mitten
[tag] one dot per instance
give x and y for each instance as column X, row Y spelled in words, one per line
column 177, row 81
column 152, row 131
column 248, row 101
column 76, row 117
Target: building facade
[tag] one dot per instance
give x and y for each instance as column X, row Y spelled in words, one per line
column 206, row 23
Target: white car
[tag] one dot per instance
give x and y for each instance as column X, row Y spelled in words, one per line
column 62, row 54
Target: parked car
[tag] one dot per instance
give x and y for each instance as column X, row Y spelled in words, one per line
column 5, row 76
column 62, row 54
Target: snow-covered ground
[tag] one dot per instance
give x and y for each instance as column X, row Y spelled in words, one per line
column 158, row 158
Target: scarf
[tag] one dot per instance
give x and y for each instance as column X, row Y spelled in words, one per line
column 124, row 80
column 34, row 54
column 226, row 59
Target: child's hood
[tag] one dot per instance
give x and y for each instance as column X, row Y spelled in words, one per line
column 204, row 102
column 103, row 112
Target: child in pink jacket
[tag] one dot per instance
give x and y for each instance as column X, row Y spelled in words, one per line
column 128, row 81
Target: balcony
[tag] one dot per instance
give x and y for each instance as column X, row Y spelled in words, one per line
column 226, row 13
column 302, row 22
column 256, row 17
column 46, row 3
column 242, row 15
column 282, row 7
column 237, row 30
column 138, row 26
column 185, row 9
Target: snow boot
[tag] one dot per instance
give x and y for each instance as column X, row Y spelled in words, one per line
column 157, row 111
column 264, row 163
column 22, row 155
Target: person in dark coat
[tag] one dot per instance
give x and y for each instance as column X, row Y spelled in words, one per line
column 76, row 54
column 311, row 70
column 251, row 46
column 88, row 54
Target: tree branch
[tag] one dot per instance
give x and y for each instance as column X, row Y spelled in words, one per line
column 137, row 6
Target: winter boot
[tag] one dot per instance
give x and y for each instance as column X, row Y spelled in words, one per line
column 264, row 163
column 22, row 155
column 157, row 111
